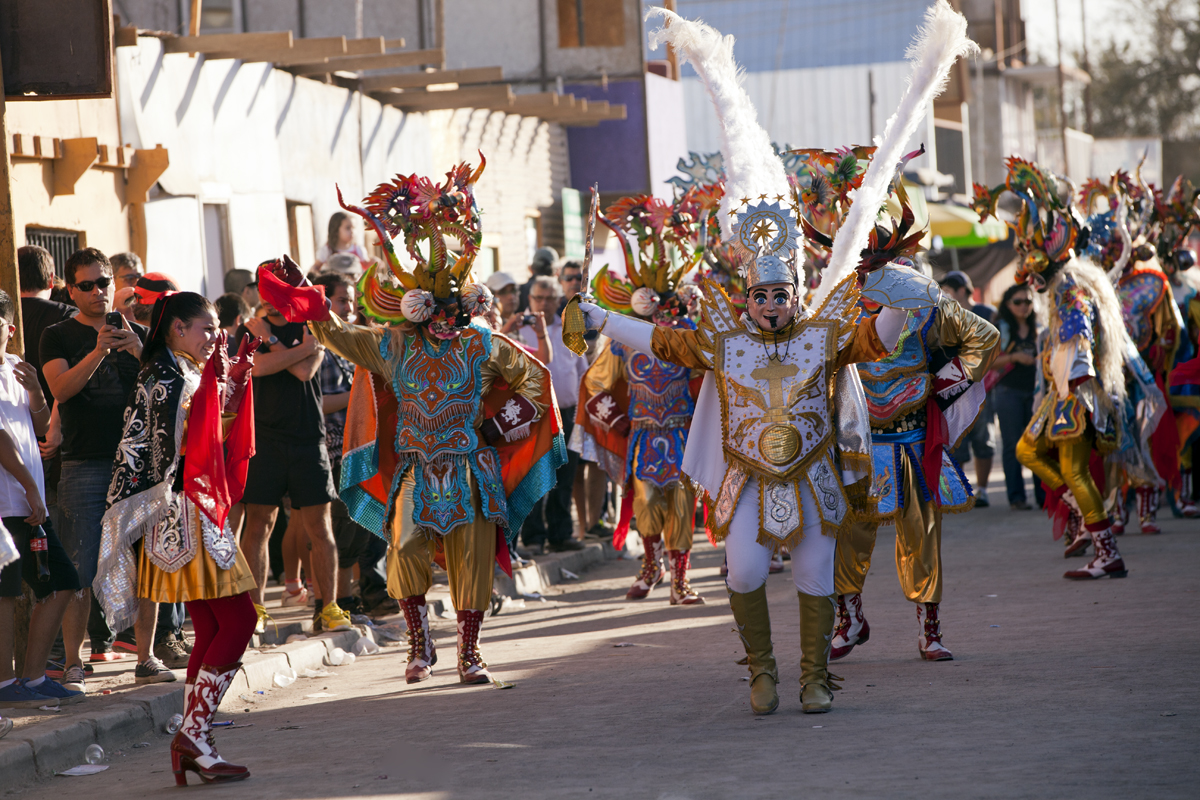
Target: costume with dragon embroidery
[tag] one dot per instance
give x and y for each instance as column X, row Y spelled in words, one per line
column 1122, row 243
column 452, row 433
column 634, row 409
column 1177, row 215
column 1082, row 361
column 922, row 398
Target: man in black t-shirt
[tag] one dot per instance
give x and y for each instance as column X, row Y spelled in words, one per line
column 91, row 368
column 290, row 458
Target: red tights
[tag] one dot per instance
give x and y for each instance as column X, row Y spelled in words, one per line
column 223, row 629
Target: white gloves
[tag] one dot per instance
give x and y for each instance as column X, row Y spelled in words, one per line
column 593, row 315
column 628, row 331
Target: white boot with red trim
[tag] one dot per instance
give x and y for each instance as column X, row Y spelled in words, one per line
column 652, row 570
column 1107, row 562
column 852, row 628
column 1147, row 500
column 929, row 641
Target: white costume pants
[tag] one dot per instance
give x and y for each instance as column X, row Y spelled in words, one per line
column 749, row 561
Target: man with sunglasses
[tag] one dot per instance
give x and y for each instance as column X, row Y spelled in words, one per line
column 91, row 368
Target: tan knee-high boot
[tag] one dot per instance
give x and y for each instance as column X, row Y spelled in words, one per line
column 816, row 633
column 754, row 627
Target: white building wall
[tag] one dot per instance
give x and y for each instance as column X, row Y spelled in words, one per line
column 518, row 182
column 252, row 138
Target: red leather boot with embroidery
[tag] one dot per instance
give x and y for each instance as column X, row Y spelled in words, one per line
column 852, row 628
column 471, row 668
column 652, row 571
column 929, row 642
column 422, row 654
column 1106, row 562
column 1147, row 500
column 682, row 593
column 193, row 748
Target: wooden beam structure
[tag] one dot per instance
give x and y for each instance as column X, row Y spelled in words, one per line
column 148, row 166
column 417, row 80
column 78, row 155
column 302, row 51
column 405, row 58
column 371, row 46
column 241, row 43
column 472, row 97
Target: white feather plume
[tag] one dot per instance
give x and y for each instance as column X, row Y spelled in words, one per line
column 1120, row 219
column 751, row 166
column 939, row 43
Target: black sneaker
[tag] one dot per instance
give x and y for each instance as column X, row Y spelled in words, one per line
column 566, row 545
column 384, row 608
column 153, row 671
column 351, row 605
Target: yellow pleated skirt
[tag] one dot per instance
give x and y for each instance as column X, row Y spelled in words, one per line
column 199, row 579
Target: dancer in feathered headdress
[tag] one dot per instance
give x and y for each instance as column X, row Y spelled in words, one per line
column 1177, row 213
column 437, row 455
column 921, row 403
column 1083, row 360
column 779, row 383
column 1120, row 242
column 635, row 409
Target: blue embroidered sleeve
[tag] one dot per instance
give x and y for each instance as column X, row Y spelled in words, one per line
column 1076, row 311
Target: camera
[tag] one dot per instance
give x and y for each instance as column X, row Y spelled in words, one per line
column 528, row 319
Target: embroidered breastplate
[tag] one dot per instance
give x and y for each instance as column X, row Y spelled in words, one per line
column 658, row 391
column 899, row 383
column 438, row 389
column 775, row 411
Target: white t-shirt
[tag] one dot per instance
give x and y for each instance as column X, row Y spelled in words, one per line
column 566, row 368
column 17, row 422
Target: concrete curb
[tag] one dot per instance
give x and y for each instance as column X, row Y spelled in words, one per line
column 547, row 570
column 43, row 749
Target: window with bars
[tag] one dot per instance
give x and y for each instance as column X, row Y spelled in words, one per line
column 61, row 244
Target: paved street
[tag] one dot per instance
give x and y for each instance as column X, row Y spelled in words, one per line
column 1058, row 689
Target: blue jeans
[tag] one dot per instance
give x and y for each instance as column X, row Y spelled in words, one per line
column 82, row 498
column 1014, row 409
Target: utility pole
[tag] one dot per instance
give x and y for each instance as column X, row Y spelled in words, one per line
column 1087, row 90
column 1062, row 96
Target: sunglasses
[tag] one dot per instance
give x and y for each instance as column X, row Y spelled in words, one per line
column 571, row 278
column 87, row 286
column 1021, row 302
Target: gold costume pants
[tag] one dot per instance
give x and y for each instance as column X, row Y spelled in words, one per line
column 1071, row 469
column 470, row 555
column 667, row 511
column 918, row 546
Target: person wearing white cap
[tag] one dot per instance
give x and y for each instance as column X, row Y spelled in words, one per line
column 504, row 288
